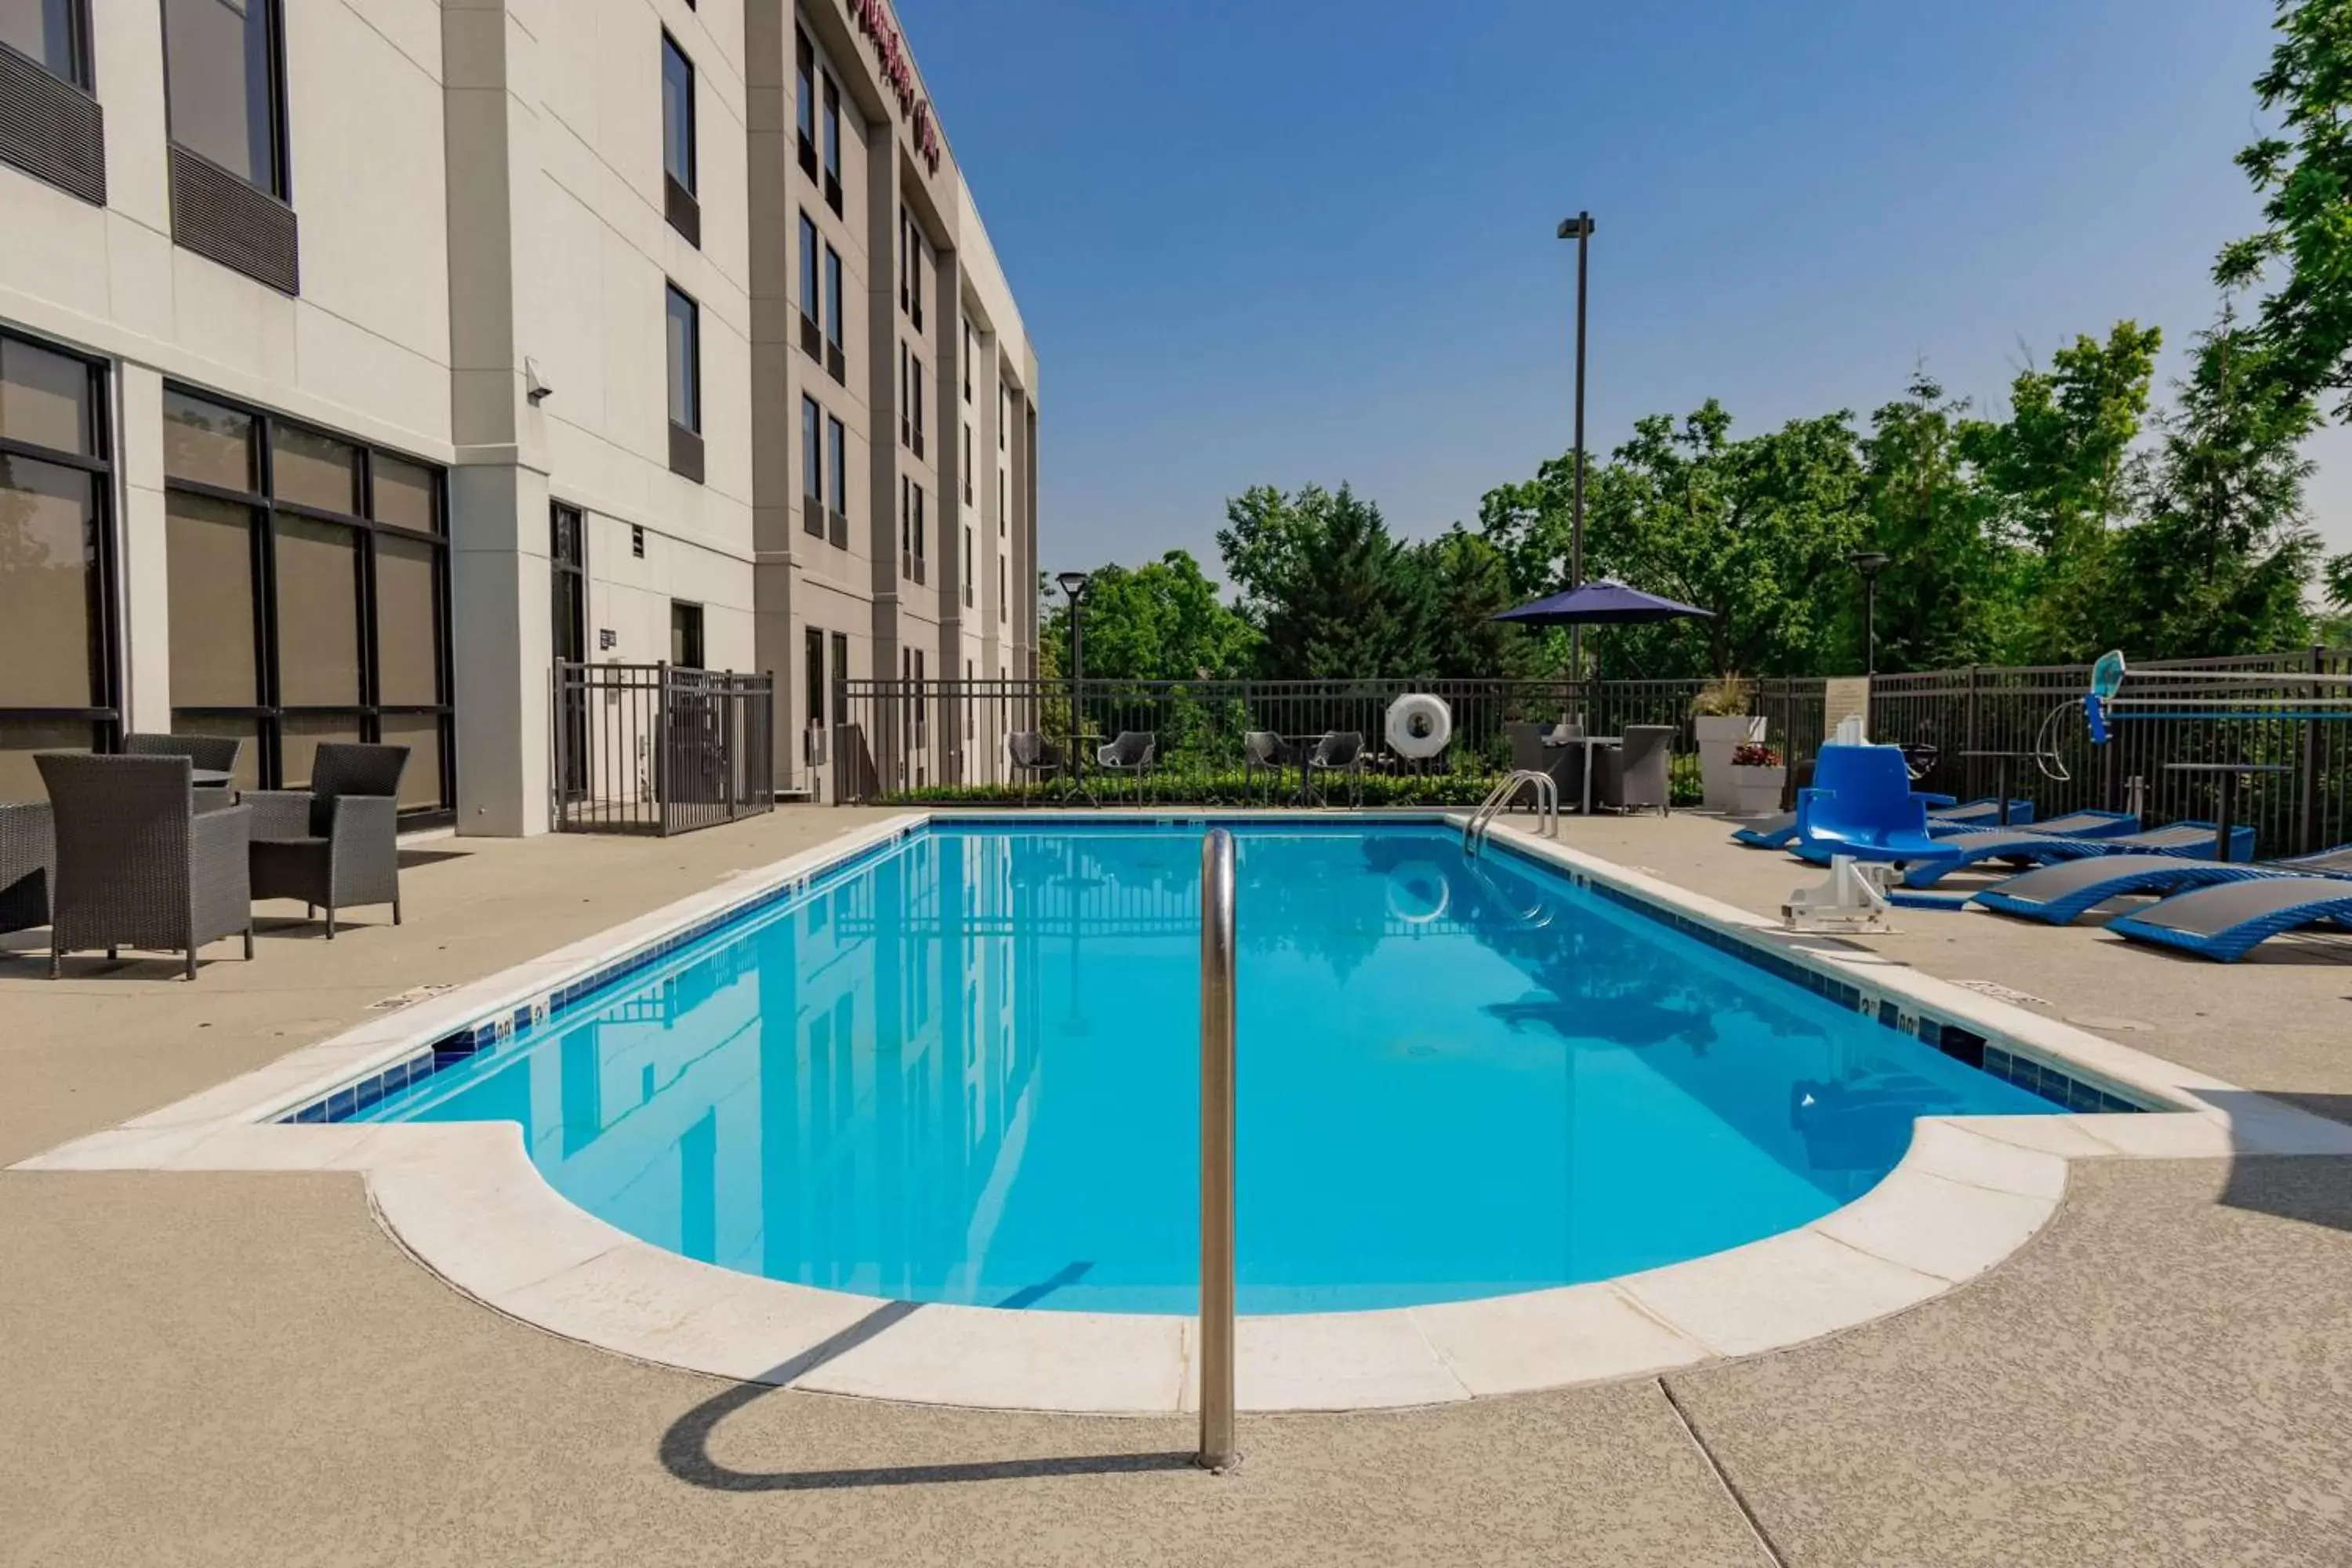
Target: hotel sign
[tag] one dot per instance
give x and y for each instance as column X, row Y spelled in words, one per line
column 874, row 20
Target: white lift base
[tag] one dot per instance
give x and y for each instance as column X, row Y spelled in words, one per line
column 1852, row 900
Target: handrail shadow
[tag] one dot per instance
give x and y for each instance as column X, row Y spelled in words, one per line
column 685, row 1446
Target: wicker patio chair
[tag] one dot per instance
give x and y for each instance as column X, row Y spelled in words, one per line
column 1340, row 751
column 1636, row 774
column 1264, row 751
column 1134, row 751
column 137, row 865
column 28, row 864
column 216, row 753
column 337, row 843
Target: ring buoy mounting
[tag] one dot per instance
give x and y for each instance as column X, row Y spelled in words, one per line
column 1419, row 726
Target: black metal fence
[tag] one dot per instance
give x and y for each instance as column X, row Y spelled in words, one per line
column 950, row 739
column 659, row 749
column 2283, row 719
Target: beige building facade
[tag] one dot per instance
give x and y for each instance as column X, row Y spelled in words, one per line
column 359, row 359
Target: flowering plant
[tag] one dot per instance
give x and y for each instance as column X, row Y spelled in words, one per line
column 1755, row 754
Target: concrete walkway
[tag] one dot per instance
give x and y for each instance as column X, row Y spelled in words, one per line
column 246, row 1369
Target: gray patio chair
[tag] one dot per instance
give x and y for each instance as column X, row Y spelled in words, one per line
column 1340, row 751
column 337, row 843
column 1536, row 749
column 1134, row 751
column 1635, row 774
column 28, row 864
column 216, row 753
column 1264, row 751
column 137, row 864
column 1031, row 754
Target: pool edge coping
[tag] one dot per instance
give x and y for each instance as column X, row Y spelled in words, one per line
column 466, row 1202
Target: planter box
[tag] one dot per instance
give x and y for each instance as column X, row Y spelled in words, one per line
column 1719, row 735
column 1756, row 791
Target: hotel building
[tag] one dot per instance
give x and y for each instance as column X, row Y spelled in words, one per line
column 360, row 359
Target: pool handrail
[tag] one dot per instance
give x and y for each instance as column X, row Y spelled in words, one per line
column 1498, row 800
column 1217, row 1010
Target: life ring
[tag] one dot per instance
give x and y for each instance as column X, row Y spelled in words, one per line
column 1419, row 726
column 1419, row 893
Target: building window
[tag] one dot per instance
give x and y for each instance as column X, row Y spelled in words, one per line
column 678, row 202
column 52, row 34
column 686, row 635
column 805, row 101
column 921, row 553
column 837, row 360
column 1004, row 418
column 1002, row 506
column 223, row 85
column 812, row 691
column 811, row 470
column 967, row 359
column 967, row 462
column 812, row 330
column 906, row 227
column 307, row 582
column 967, row 566
column 906, row 526
column 833, row 146
column 57, row 560
column 684, row 371
column 915, row 275
column 906, row 396
column 59, row 132
column 836, row 454
column 1004, row 597
column 917, row 405
column 840, row 675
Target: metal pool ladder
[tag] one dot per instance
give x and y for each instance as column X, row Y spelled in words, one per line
column 1498, row 800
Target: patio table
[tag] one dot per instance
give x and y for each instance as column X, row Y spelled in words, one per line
column 1588, row 743
column 2228, row 774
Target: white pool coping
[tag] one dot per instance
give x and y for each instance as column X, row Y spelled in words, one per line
column 464, row 1200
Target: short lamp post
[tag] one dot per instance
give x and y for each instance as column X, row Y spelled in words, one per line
column 1074, row 583
column 1870, row 564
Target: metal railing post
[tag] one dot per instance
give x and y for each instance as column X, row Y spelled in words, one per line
column 1217, row 1452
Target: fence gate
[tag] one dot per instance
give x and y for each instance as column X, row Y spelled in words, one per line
column 659, row 748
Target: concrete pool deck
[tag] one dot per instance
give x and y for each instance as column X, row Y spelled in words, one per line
column 245, row 1368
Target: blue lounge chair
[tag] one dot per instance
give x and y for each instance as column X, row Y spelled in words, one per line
column 2222, row 922
column 2072, row 824
column 2068, row 889
column 1861, row 804
column 1985, row 812
column 2192, row 840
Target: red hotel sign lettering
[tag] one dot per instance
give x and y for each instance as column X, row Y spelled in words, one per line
column 874, row 21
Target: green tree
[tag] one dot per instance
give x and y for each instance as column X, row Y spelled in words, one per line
column 1947, row 595
column 1469, row 582
column 2303, row 329
column 1332, row 593
column 2219, row 562
column 2061, row 477
column 1160, row 621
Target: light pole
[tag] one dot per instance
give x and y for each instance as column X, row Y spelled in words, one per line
column 1870, row 564
column 1074, row 583
column 1579, row 229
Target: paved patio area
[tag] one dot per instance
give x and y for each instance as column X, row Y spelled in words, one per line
column 245, row 1369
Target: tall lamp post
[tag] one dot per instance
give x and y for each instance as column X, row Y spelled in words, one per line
column 1074, row 583
column 1870, row 564
column 1579, row 229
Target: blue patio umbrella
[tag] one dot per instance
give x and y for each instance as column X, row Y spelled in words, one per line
column 1600, row 602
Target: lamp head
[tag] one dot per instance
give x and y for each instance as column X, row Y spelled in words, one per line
column 1580, row 227
column 1869, row 562
column 1073, row 583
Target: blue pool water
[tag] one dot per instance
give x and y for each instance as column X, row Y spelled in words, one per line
column 965, row 1069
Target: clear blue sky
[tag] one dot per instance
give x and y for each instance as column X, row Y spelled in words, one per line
column 1312, row 240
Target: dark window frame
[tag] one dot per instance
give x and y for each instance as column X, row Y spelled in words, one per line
column 268, row 714
column 681, row 199
column 812, row 283
column 281, row 187
column 840, row 650
column 82, row 55
column 567, row 560
column 104, row 712
column 837, row 453
column 805, row 101
column 812, row 466
column 694, row 629
column 686, row 447
column 829, row 134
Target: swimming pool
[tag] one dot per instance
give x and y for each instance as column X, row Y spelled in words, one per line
column 962, row 1070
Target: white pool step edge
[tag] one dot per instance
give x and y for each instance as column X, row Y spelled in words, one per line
column 466, row 1202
